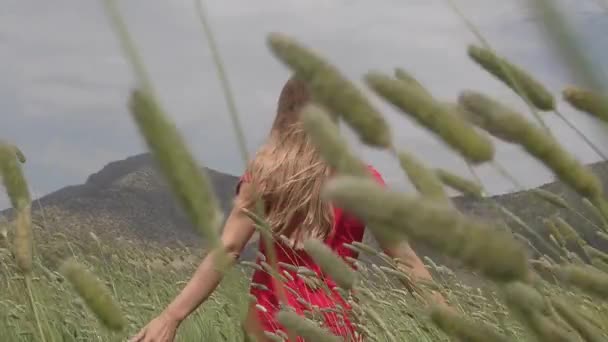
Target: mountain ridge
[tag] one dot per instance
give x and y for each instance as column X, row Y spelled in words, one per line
column 130, row 198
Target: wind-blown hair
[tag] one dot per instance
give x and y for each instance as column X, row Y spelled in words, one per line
column 287, row 173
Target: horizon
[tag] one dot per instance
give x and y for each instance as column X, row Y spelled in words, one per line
column 451, row 193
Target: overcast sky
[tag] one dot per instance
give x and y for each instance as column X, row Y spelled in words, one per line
column 64, row 81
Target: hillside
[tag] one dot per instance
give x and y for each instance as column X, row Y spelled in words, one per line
column 129, row 198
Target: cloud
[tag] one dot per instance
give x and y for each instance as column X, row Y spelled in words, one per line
column 65, row 81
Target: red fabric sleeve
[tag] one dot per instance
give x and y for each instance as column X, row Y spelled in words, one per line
column 347, row 224
column 377, row 176
column 347, row 227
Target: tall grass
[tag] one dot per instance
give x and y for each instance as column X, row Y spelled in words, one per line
column 73, row 289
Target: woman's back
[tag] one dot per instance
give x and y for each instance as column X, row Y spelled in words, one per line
column 308, row 289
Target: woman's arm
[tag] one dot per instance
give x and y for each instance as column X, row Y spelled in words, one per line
column 402, row 251
column 414, row 267
column 237, row 232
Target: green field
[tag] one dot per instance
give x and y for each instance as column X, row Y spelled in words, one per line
column 143, row 279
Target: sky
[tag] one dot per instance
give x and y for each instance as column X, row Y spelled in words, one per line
column 65, row 81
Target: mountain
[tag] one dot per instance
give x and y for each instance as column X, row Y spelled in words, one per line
column 533, row 210
column 130, row 198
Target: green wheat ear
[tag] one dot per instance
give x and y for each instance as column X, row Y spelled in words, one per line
column 586, row 278
column 595, row 253
column 516, row 78
column 423, row 178
column 325, row 135
column 304, row 327
column 577, row 321
column 426, row 111
column 459, row 183
column 506, row 124
column 568, row 233
column 16, row 150
column 552, row 198
column 12, row 177
column 334, row 91
column 187, row 179
column 476, row 243
column 587, row 101
column 16, row 187
column 94, row 293
column 406, row 77
column 531, row 309
column 463, row 328
column 19, row 154
column 331, row 263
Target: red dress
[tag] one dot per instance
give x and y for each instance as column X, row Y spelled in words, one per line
column 300, row 295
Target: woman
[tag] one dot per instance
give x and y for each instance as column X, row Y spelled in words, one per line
column 288, row 175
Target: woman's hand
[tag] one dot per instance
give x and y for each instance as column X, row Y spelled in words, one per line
column 161, row 329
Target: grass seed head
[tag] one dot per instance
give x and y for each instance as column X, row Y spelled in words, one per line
column 23, row 241
column 568, row 233
column 365, row 248
column 601, row 204
column 532, row 309
column 458, row 183
column 587, row 101
column 423, row 179
column 602, row 236
column 494, row 117
column 94, row 293
column 495, row 253
column 13, row 179
column 304, row 327
column 552, row 198
column 596, row 253
column 513, row 76
column 512, row 127
column 405, row 76
column 600, row 264
column 577, row 321
column 586, row 278
column 16, row 150
column 326, row 137
column 463, row 328
column 19, row 154
column 453, row 130
column 17, row 189
column 596, row 212
column 188, row 181
column 466, row 115
column 331, row 263
column 272, row 337
column 334, row 91
column 555, row 232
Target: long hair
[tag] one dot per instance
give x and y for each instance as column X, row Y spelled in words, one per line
column 287, row 173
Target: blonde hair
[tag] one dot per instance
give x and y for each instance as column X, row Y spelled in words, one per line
column 288, row 173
